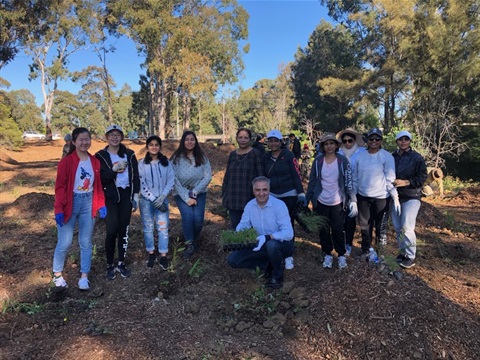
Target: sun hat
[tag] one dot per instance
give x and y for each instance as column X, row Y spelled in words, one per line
column 329, row 136
column 375, row 131
column 114, row 127
column 275, row 134
column 403, row 133
column 357, row 135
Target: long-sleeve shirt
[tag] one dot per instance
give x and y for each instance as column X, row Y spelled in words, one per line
column 190, row 177
column 272, row 219
column 155, row 179
column 284, row 174
column 237, row 182
column 410, row 166
column 374, row 174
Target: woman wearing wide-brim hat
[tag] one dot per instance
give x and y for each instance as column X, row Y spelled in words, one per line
column 351, row 145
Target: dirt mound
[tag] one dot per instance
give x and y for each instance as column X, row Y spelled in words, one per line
column 5, row 158
column 429, row 216
column 32, row 205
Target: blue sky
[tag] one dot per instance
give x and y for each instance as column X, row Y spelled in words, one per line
column 276, row 30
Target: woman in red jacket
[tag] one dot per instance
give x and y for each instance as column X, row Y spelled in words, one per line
column 78, row 197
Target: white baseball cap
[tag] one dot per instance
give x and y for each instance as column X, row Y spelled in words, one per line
column 114, row 127
column 403, row 133
column 275, row 134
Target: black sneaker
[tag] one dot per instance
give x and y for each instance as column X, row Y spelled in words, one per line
column 110, row 272
column 400, row 258
column 151, row 260
column 407, row 263
column 188, row 252
column 163, row 261
column 123, row 270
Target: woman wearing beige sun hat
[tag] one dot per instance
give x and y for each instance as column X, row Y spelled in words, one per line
column 351, row 145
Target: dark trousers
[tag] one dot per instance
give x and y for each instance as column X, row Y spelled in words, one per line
column 270, row 256
column 349, row 228
column 331, row 235
column 291, row 202
column 118, row 220
column 371, row 212
column 235, row 217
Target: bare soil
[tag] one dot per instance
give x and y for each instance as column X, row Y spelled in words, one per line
column 202, row 309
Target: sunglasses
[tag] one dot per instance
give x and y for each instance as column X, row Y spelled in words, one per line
column 374, row 139
column 347, row 141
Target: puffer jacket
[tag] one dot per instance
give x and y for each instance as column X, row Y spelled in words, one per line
column 410, row 166
column 284, row 172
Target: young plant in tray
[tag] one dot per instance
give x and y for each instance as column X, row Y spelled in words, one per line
column 236, row 240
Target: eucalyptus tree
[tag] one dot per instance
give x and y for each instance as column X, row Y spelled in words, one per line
column 71, row 24
column 25, row 111
column 189, row 46
column 10, row 133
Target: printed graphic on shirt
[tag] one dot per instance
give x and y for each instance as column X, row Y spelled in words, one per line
column 85, row 176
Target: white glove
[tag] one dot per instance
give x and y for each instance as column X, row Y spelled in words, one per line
column 353, row 209
column 135, row 202
column 396, row 206
column 261, row 240
column 157, row 203
column 119, row 166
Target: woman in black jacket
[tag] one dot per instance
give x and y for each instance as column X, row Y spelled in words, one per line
column 121, row 185
column 281, row 167
column 411, row 173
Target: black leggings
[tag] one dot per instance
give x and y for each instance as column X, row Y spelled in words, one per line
column 118, row 220
column 371, row 212
column 291, row 202
column 331, row 235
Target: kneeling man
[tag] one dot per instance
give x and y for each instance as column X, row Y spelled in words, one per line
column 269, row 217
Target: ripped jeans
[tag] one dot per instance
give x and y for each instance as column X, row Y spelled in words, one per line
column 152, row 218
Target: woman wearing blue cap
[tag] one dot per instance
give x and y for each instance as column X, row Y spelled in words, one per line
column 411, row 173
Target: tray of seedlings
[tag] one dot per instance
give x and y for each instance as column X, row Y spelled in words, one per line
column 237, row 240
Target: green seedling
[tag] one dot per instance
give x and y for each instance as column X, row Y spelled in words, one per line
column 235, row 240
column 311, row 222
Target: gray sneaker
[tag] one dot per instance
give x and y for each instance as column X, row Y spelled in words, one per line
column 328, row 261
column 83, row 283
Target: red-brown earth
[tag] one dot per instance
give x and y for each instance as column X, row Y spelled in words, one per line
column 202, row 309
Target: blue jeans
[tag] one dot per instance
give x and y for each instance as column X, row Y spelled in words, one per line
column 192, row 217
column 81, row 213
column 153, row 217
column 270, row 255
column 404, row 226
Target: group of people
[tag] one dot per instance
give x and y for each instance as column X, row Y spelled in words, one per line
column 113, row 184
column 262, row 189
column 347, row 180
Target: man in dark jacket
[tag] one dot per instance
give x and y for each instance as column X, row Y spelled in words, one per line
column 411, row 173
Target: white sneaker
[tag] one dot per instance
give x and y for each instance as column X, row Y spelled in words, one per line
column 60, row 282
column 342, row 262
column 289, row 263
column 83, row 283
column 328, row 261
column 383, row 240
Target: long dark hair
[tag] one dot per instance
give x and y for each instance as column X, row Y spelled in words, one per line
column 148, row 158
column 200, row 157
column 75, row 133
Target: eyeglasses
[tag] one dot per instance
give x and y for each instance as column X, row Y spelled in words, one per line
column 113, row 135
column 347, row 141
column 403, row 138
column 374, row 139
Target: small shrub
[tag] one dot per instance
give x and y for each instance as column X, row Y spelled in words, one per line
column 311, row 222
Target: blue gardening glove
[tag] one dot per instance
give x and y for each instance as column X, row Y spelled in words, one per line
column 192, row 194
column 261, row 240
column 353, row 209
column 302, row 199
column 163, row 207
column 102, row 212
column 135, row 202
column 59, row 218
